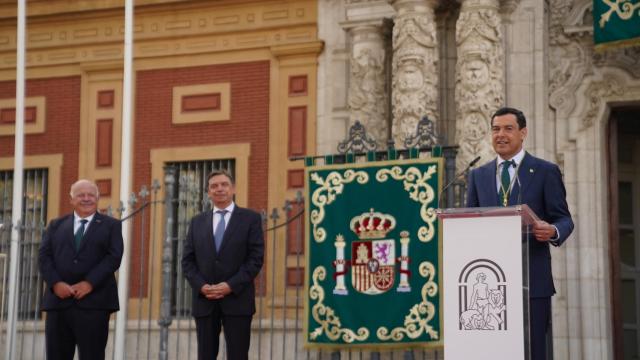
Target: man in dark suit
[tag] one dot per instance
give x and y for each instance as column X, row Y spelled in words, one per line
column 223, row 253
column 78, row 258
column 538, row 183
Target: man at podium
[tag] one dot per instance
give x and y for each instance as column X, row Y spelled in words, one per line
column 516, row 177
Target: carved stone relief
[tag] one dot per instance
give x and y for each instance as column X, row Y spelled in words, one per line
column 479, row 78
column 572, row 57
column 598, row 91
column 367, row 94
column 415, row 68
column 574, row 65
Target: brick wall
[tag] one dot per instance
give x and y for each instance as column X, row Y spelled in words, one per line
column 62, row 126
column 249, row 118
column 249, row 123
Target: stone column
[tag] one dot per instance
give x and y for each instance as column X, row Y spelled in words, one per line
column 367, row 86
column 415, row 67
column 479, row 78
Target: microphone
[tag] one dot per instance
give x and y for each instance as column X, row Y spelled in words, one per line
column 463, row 172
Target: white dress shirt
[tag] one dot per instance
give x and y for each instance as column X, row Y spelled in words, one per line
column 512, row 169
column 227, row 216
column 77, row 223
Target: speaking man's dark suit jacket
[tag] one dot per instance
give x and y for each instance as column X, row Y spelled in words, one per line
column 96, row 261
column 238, row 262
column 543, row 190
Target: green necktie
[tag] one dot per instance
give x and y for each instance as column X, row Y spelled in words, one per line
column 80, row 233
column 505, row 180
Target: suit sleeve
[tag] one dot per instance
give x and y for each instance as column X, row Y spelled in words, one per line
column 189, row 266
column 45, row 257
column 472, row 192
column 112, row 258
column 556, row 208
column 253, row 259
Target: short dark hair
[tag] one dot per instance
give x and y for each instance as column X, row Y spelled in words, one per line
column 217, row 172
column 522, row 121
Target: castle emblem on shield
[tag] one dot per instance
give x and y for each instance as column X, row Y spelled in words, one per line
column 373, row 260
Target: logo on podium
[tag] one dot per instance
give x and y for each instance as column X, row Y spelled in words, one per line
column 482, row 290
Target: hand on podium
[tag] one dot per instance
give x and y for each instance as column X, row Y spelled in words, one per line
column 543, row 231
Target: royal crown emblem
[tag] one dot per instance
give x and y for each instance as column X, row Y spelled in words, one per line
column 373, row 256
column 372, row 225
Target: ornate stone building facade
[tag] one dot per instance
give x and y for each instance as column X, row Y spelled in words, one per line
column 296, row 75
column 457, row 62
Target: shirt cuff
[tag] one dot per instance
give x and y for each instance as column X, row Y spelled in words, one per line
column 555, row 241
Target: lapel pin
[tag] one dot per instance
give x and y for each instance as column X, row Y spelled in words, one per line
column 531, row 171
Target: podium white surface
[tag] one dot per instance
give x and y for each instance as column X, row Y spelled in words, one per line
column 485, row 282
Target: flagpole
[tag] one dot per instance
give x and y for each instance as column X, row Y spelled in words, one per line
column 125, row 183
column 18, row 170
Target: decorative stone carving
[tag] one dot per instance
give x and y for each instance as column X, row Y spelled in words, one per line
column 479, row 78
column 624, row 58
column 598, row 91
column 367, row 93
column 568, row 66
column 415, row 67
column 572, row 57
column 508, row 6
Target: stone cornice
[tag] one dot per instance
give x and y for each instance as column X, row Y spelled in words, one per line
column 348, row 25
column 368, row 10
column 48, row 8
column 160, row 33
column 313, row 48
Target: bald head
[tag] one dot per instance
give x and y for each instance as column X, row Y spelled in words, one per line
column 84, row 197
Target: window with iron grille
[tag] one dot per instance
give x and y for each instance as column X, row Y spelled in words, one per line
column 33, row 222
column 190, row 200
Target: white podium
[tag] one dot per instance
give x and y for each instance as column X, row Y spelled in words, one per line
column 485, row 282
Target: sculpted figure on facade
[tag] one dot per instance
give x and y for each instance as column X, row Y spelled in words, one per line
column 367, row 95
column 479, row 78
column 415, row 68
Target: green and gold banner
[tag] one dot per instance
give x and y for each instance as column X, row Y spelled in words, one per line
column 373, row 255
column 616, row 23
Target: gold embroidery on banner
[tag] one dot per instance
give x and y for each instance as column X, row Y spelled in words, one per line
column 417, row 321
column 325, row 316
column 624, row 9
column 329, row 188
column 415, row 182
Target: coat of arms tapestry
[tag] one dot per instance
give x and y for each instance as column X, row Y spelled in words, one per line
column 372, row 278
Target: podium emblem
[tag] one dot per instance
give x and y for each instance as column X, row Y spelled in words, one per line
column 482, row 288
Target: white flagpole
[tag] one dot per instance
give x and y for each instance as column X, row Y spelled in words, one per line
column 125, row 183
column 18, row 170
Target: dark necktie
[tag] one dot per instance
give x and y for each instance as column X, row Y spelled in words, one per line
column 505, row 181
column 218, row 233
column 80, row 233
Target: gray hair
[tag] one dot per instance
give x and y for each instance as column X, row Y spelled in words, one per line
column 84, row 181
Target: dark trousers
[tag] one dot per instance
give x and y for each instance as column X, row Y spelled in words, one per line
column 539, row 320
column 67, row 328
column 237, row 334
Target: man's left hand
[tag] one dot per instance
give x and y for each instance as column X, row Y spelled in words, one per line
column 82, row 289
column 543, row 231
column 221, row 290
